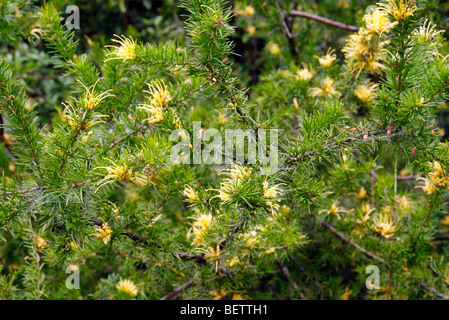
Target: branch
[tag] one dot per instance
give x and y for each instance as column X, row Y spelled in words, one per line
column 311, row 16
column 286, row 272
column 175, row 292
column 355, row 245
column 287, row 31
column 433, row 290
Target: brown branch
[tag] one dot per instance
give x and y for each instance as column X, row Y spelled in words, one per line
column 9, row 193
column 288, row 31
column 355, row 245
column 311, row 16
column 434, row 291
column 175, row 292
column 286, row 272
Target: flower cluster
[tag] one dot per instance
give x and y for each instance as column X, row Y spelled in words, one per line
column 364, row 49
column 437, row 179
column 158, row 101
column 128, row 287
column 104, row 232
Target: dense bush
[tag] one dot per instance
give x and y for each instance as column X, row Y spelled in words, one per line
column 359, row 178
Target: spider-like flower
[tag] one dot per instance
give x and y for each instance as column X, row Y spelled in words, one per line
column 334, row 210
column 364, row 52
column 199, row 228
column 399, row 9
column 326, row 90
column 366, row 92
column 271, row 194
column 191, row 194
column 92, row 100
column 427, row 32
column 250, row 238
column 104, row 232
column 126, row 49
column 128, row 287
column 230, row 184
column 122, row 173
column 384, row 226
column 160, row 97
column 213, row 255
column 273, row 48
column 77, row 121
column 40, row 243
column 428, row 187
column 377, row 22
column 304, row 74
column 328, row 59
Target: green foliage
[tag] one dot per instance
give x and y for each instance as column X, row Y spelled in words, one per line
column 88, row 178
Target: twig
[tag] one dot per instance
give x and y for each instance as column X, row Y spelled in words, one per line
column 355, row 245
column 311, row 16
column 286, row 272
column 288, row 31
column 175, row 292
column 435, row 291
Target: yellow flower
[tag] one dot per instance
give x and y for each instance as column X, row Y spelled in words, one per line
column 126, row 49
column 269, row 251
column 199, row 228
column 273, row 48
column 249, row 11
column 91, row 100
column 213, row 255
column 377, row 22
column 233, row 261
column 362, row 193
column 328, row 59
column 86, row 137
column 384, row 226
column 428, row 186
column 160, row 97
column 218, row 295
column 326, row 90
column 427, row 32
column 74, row 245
column 128, row 287
column 304, row 74
column 250, row 238
column 366, row 92
column 333, row 210
column 191, row 194
column 122, row 173
column 223, row 195
column 399, row 9
column 272, row 194
column 251, row 30
column 40, row 243
column 445, row 221
column 346, row 294
column 104, row 232
column 239, row 296
column 238, row 172
column 203, row 221
column 364, row 52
